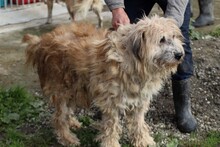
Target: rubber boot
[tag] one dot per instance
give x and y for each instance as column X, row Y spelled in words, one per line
column 206, row 16
column 186, row 122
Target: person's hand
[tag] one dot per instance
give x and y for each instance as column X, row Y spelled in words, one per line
column 119, row 17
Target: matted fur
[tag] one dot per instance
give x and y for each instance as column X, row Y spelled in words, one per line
column 78, row 7
column 116, row 71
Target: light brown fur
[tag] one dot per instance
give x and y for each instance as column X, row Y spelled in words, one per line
column 78, row 7
column 116, row 71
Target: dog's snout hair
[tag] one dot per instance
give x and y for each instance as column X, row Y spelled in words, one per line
column 116, row 71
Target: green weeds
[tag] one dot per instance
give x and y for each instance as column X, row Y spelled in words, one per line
column 215, row 32
column 17, row 106
column 195, row 35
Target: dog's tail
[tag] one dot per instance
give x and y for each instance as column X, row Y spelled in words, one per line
column 33, row 42
column 84, row 7
column 30, row 39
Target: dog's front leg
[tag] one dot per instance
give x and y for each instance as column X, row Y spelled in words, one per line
column 110, row 129
column 138, row 130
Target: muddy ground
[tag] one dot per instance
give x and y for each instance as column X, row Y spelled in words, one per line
column 205, row 91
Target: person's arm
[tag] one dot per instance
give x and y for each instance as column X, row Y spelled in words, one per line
column 176, row 9
column 119, row 16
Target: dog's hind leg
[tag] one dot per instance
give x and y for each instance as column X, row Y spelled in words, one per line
column 69, row 5
column 61, row 122
column 138, row 130
column 49, row 11
column 73, row 122
column 110, row 129
column 97, row 9
column 100, row 19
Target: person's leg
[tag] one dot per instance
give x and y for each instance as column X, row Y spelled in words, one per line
column 185, row 69
column 206, row 13
column 180, row 80
column 186, row 122
column 136, row 9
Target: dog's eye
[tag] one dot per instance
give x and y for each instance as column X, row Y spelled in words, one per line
column 143, row 36
column 162, row 40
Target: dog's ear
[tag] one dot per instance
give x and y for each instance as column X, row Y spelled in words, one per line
column 137, row 43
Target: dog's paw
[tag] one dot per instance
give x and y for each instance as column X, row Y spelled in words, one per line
column 112, row 143
column 68, row 139
column 107, row 141
column 49, row 21
column 146, row 141
column 74, row 123
column 151, row 142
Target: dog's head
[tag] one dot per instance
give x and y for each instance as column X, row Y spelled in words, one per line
column 155, row 41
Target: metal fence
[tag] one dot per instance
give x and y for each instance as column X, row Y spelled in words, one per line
column 7, row 5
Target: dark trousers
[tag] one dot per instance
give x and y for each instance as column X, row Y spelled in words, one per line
column 137, row 8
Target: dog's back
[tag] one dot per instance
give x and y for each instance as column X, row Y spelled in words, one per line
column 83, row 6
column 61, row 57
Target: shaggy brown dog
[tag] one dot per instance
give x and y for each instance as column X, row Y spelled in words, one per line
column 117, row 71
column 78, row 7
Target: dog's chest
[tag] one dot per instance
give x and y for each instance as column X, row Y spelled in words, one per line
column 134, row 97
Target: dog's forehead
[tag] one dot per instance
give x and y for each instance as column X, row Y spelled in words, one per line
column 159, row 30
column 159, row 23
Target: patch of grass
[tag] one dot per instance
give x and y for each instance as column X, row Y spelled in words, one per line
column 173, row 142
column 210, row 139
column 195, row 35
column 85, row 120
column 86, row 133
column 17, row 106
column 216, row 32
column 13, row 138
column 44, row 137
column 87, row 137
column 12, row 143
column 158, row 137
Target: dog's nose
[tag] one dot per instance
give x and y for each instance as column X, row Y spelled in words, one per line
column 178, row 55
